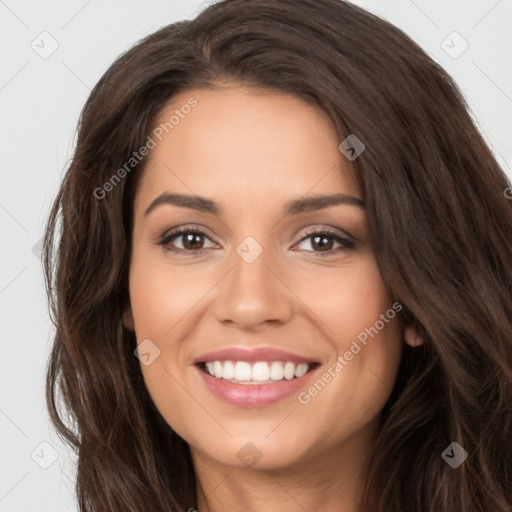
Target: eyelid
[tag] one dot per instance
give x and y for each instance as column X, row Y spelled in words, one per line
column 330, row 230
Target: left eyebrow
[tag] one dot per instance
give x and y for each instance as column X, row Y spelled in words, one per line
column 309, row 204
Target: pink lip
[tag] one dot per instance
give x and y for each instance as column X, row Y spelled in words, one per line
column 254, row 355
column 243, row 395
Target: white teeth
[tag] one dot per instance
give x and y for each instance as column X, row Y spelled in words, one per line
column 301, row 370
column 242, row 372
column 289, row 371
column 260, row 371
column 229, row 370
column 217, row 368
column 276, row 371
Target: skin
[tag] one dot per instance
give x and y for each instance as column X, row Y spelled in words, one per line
column 251, row 152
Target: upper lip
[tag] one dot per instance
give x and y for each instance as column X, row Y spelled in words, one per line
column 252, row 355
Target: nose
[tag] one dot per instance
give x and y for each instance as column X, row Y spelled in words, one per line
column 254, row 293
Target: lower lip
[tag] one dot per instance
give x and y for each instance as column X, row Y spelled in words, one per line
column 253, row 395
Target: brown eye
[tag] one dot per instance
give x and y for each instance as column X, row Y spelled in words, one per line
column 322, row 242
column 191, row 241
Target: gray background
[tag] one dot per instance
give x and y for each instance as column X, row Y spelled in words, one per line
column 40, row 99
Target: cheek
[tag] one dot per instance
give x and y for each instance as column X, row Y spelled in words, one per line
column 161, row 297
column 165, row 302
column 362, row 327
column 346, row 300
column 162, row 305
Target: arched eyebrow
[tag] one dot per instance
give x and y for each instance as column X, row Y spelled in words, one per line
column 293, row 207
column 201, row 204
column 309, row 204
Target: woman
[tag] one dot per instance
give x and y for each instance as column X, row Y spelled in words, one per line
column 283, row 276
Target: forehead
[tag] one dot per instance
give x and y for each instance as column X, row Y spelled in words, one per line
column 238, row 143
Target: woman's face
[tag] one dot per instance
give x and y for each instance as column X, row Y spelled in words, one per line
column 282, row 282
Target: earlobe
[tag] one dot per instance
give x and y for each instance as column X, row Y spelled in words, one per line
column 128, row 319
column 412, row 336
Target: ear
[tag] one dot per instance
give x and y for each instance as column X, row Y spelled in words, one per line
column 128, row 319
column 412, row 335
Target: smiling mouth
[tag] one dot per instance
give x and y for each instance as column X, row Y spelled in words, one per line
column 256, row 373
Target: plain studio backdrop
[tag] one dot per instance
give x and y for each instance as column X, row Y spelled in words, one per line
column 52, row 54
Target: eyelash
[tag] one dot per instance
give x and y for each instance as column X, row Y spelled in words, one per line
column 167, row 238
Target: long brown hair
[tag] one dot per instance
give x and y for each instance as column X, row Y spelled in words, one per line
column 440, row 221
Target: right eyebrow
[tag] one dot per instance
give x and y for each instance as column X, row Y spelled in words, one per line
column 201, row 204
